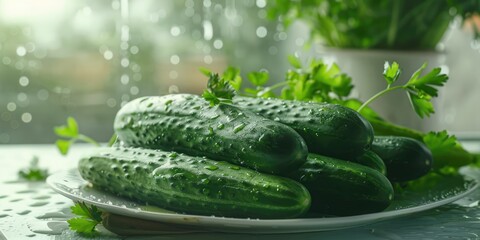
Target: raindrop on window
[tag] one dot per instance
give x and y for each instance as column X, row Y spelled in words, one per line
column 207, row 30
column 30, row 47
column 124, row 45
column 6, row 60
column 207, row 3
column 174, row 59
column 261, row 32
column 21, row 51
column 208, row 59
column 42, row 94
column 124, row 79
column 134, row 90
column 134, row 50
column 282, row 36
column 26, row 117
column 108, row 55
column 111, row 102
column 273, row 50
column 175, row 31
column 299, row 41
column 261, row 3
column 11, row 106
column 218, row 44
column 23, row 81
column 22, row 97
column 125, row 62
column 173, row 89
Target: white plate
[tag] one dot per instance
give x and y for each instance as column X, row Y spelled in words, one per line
column 70, row 184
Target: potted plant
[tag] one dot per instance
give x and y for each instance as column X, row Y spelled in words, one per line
column 360, row 35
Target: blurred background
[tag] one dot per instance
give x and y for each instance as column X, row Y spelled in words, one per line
column 85, row 58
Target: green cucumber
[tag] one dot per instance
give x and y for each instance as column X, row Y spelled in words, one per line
column 188, row 124
column 372, row 160
column 328, row 129
column 193, row 185
column 343, row 188
column 406, row 158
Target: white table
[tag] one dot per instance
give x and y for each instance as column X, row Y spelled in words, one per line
column 33, row 211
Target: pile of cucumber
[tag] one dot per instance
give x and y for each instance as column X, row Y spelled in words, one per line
column 254, row 158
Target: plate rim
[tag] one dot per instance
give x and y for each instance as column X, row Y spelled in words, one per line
column 239, row 225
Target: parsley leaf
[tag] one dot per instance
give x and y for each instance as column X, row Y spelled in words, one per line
column 72, row 135
column 218, row 90
column 33, row 172
column 294, row 61
column 420, row 90
column 391, row 72
column 232, row 76
column 319, row 82
column 89, row 218
column 258, row 78
column 446, row 150
column 82, row 225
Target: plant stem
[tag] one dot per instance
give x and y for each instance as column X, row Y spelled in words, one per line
column 277, row 85
column 88, row 140
column 388, row 89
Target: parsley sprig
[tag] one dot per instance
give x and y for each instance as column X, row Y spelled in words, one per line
column 420, row 89
column 33, row 172
column 219, row 90
column 322, row 82
column 71, row 134
column 88, row 218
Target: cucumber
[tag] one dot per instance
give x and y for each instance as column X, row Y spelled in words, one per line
column 193, row 185
column 188, row 124
column 406, row 158
column 343, row 188
column 372, row 160
column 328, row 129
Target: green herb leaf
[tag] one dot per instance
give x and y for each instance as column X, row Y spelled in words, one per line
column 33, row 172
column 113, row 140
column 89, row 218
column 421, row 104
column 258, row 78
column 218, row 91
column 72, row 125
column 71, row 133
column 439, row 140
column 391, row 72
column 63, row 146
column 205, row 71
column 428, row 83
column 232, row 75
column 295, row 61
column 82, row 225
column 420, row 90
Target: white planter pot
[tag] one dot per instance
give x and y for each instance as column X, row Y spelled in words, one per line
column 366, row 69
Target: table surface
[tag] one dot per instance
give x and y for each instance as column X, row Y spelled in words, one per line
column 32, row 210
